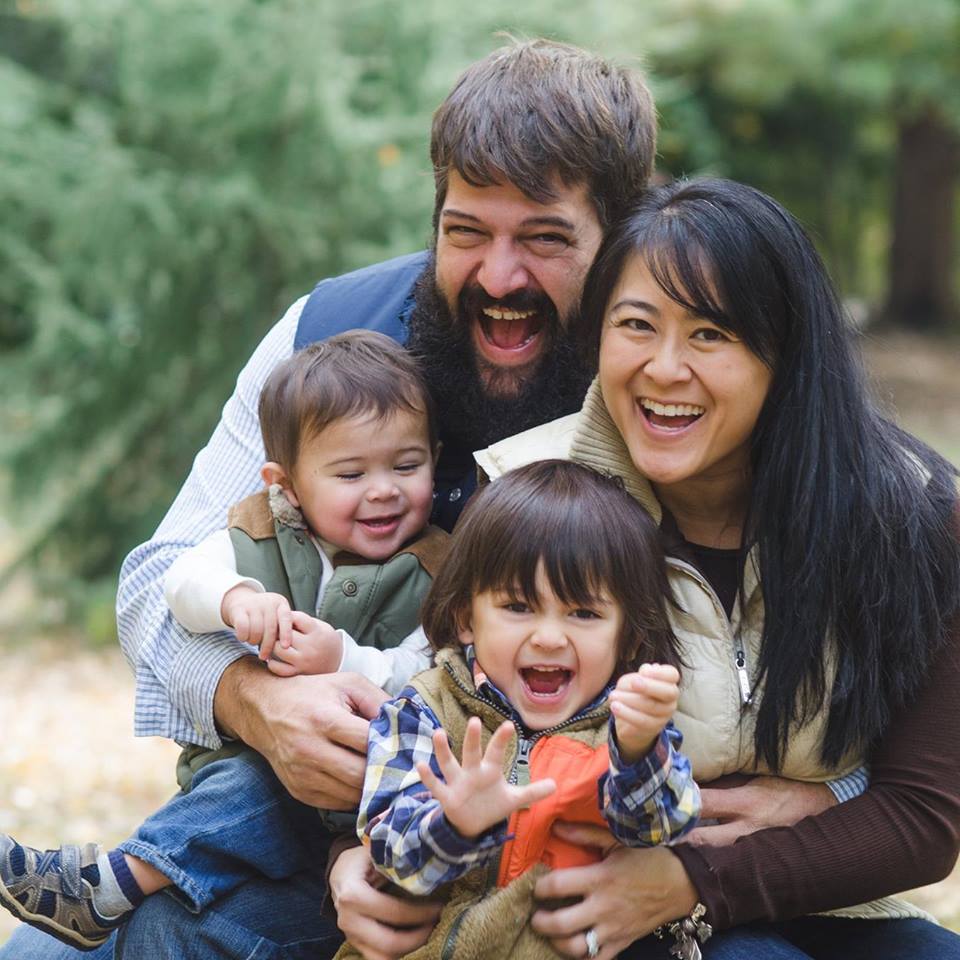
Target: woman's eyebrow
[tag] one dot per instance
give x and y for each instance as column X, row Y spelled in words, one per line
column 637, row 305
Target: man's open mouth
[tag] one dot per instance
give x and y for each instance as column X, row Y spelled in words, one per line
column 508, row 329
column 545, row 682
column 670, row 416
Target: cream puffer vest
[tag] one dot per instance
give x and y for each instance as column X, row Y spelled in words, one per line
column 720, row 653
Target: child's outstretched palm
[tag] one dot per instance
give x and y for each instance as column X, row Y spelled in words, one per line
column 474, row 795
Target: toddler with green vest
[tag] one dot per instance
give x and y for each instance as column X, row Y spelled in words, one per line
column 323, row 571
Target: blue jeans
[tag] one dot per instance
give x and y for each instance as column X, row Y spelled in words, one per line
column 229, row 845
column 236, row 822
column 261, row 920
column 819, row 938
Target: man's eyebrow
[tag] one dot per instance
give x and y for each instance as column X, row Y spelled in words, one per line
column 561, row 223
column 637, row 305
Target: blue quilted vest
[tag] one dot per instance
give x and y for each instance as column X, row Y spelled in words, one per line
column 381, row 298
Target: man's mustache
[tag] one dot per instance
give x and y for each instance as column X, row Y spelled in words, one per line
column 474, row 298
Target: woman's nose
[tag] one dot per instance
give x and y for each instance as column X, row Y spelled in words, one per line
column 667, row 362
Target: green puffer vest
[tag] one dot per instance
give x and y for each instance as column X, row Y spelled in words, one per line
column 480, row 921
column 378, row 604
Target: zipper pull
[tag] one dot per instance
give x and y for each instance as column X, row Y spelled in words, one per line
column 746, row 694
column 524, row 746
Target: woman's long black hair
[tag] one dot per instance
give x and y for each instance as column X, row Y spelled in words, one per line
column 855, row 520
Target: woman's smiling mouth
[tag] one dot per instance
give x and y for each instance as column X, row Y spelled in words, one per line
column 670, row 416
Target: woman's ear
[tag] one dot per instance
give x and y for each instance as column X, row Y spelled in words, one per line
column 272, row 473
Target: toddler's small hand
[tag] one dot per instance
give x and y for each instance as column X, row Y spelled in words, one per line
column 642, row 703
column 475, row 796
column 315, row 647
column 258, row 618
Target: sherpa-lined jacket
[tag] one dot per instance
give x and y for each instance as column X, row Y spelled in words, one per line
column 719, row 694
column 650, row 802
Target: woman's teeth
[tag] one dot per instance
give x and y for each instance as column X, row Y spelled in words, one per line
column 672, row 409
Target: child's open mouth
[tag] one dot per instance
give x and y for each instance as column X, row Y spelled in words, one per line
column 545, row 683
column 381, row 524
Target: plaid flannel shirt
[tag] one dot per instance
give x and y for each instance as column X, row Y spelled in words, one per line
column 651, row 802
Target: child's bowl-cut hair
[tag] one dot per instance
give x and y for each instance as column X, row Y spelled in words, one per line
column 354, row 373
column 592, row 538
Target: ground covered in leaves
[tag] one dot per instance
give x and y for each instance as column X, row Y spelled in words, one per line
column 71, row 770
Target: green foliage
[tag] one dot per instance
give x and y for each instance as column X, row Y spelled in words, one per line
column 174, row 173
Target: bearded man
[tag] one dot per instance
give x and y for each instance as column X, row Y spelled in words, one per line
column 536, row 147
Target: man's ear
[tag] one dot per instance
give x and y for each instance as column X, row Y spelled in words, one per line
column 272, row 473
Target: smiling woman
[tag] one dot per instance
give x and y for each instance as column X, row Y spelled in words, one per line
column 813, row 553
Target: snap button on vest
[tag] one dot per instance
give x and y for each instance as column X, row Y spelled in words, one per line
column 454, row 494
column 349, row 588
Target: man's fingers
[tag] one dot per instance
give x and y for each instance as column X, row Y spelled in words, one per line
column 363, row 698
column 586, row 835
column 719, row 835
column 722, row 804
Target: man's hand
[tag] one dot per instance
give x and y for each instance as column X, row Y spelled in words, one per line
column 476, row 795
column 257, row 618
column 314, row 647
column 380, row 926
column 312, row 730
column 755, row 804
column 622, row 898
column 642, row 704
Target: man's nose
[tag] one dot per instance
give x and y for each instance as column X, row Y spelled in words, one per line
column 502, row 270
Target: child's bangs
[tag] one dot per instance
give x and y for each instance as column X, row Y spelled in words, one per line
column 575, row 565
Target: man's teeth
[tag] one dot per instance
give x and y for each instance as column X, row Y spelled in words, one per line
column 672, row 409
column 496, row 313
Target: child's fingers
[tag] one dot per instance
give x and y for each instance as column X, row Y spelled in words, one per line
column 660, row 710
column 269, row 620
column 637, row 721
column 301, row 621
column 641, row 684
column 472, row 748
column 241, row 625
column 445, row 758
column 431, row 781
column 538, row 790
column 660, row 671
column 266, row 646
column 282, row 669
column 497, row 747
column 284, row 625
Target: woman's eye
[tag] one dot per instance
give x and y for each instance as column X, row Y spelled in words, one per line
column 711, row 335
column 634, row 323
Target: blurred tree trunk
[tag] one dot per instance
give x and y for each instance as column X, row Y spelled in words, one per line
column 921, row 256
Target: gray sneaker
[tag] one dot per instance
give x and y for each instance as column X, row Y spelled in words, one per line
column 52, row 890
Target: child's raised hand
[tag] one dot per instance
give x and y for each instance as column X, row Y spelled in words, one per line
column 642, row 703
column 262, row 619
column 474, row 795
column 314, row 647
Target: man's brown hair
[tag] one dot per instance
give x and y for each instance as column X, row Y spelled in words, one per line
column 354, row 373
column 536, row 110
column 592, row 538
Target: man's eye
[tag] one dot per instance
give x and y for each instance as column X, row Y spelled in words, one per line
column 459, row 231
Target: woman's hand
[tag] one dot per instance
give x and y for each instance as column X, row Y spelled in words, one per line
column 380, row 926
column 756, row 803
column 626, row 896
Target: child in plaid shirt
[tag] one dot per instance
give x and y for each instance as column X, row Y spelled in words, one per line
column 553, row 594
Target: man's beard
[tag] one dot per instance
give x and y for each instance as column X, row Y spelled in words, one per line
column 477, row 402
